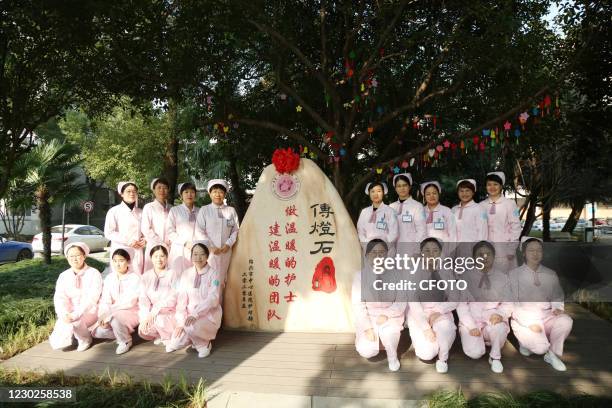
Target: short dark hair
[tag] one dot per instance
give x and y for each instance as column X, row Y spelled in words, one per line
column 402, row 177
column 376, row 183
column 121, row 252
column 200, row 245
column 430, row 239
column 495, row 178
column 375, row 242
column 157, row 248
column 126, row 185
column 219, row 186
column 187, row 186
column 529, row 241
column 466, row 184
column 161, row 180
column 483, row 244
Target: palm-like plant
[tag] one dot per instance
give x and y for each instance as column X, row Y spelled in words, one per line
column 50, row 175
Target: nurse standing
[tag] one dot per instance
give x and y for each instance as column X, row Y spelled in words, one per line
column 77, row 292
column 471, row 219
column 123, row 225
column 181, row 229
column 410, row 216
column 439, row 219
column 378, row 221
column 154, row 215
column 217, row 226
column 504, row 225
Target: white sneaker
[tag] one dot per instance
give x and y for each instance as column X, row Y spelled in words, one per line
column 158, row 341
column 441, row 366
column 394, row 364
column 524, row 351
column 123, row 347
column 554, row 361
column 84, row 345
column 496, row 366
column 205, row 352
column 170, row 349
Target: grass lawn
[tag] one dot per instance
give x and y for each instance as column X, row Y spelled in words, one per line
column 456, row 399
column 26, row 295
column 117, row 390
column 112, row 390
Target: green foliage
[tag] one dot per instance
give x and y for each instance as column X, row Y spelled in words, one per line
column 26, row 296
column 111, row 390
column 123, row 145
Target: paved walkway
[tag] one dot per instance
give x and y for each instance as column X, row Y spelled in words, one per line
column 246, row 367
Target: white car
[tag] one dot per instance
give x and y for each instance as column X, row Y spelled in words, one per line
column 88, row 234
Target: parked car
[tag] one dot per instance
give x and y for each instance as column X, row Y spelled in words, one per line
column 537, row 225
column 14, row 251
column 88, row 234
column 557, row 226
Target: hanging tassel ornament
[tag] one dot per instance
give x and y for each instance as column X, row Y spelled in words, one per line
column 523, row 119
column 517, row 134
column 547, row 103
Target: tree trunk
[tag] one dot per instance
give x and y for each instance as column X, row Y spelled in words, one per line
column 238, row 194
column 44, row 214
column 530, row 214
column 170, row 170
column 577, row 206
column 546, row 208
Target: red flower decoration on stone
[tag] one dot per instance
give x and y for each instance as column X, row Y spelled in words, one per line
column 285, row 160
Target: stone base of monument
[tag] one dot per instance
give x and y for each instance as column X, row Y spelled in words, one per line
column 295, row 258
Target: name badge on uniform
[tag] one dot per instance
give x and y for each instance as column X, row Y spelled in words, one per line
column 230, row 222
column 381, row 225
column 406, row 218
column 439, row 225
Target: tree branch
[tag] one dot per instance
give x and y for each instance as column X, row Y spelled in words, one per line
column 329, row 87
column 281, row 129
column 412, row 153
column 383, row 38
column 303, row 104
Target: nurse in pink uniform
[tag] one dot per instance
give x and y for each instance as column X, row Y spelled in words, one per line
column 483, row 317
column 378, row 220
column 430, row 318
column 198, row 311
column 157, row 300
column 154, row 215
column 118, row 307
column 123, row 225
column 504, row 225
column 181, row 228
column 376, row 323
column 217, row 226
column 539, row 321
column 410, row 216
column 470, row 218
column 77, row 292
column 439, row 219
